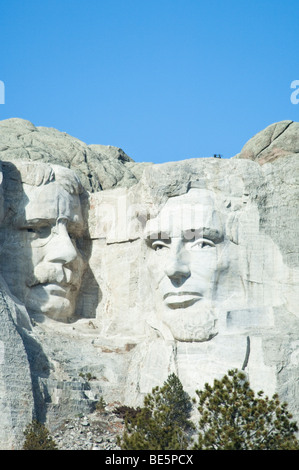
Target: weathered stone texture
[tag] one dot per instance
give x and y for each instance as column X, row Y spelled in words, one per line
column 16, row 394
column 277, row 140
column 98, row 166
column 148, row 305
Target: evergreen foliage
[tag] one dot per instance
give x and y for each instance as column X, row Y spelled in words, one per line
column 124, row 411
column 233, row 418
column 100, row 406
column 163, row 423
column 37, row 437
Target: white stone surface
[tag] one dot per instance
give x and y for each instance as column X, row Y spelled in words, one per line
column 253, row 284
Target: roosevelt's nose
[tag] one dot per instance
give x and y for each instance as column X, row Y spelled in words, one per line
column 61, row 248
column 177, row 265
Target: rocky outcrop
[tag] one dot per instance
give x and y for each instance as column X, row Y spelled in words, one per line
column 277, row 140
column 17, row 406
column 278, row 193
column 98, row 166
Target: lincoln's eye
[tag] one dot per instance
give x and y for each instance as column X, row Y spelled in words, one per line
column 202, row 243
column 159, row 245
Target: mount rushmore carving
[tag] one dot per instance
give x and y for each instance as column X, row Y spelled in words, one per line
column 131, row 271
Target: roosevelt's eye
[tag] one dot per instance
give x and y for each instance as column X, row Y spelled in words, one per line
column 39, row 231
column 201, row 243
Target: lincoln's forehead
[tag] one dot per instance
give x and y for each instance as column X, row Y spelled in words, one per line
column 193, row 197
column 197, row 203
column 184, row 213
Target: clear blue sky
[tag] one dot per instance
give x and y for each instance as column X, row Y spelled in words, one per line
column 164, row 80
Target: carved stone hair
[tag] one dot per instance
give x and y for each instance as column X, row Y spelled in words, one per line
column 39, row 173
column 16, row 174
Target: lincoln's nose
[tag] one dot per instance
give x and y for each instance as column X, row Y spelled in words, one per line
column 177, row 267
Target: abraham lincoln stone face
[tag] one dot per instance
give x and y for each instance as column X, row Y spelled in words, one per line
column 187, row 256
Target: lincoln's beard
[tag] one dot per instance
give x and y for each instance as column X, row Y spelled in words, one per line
column 195, row 323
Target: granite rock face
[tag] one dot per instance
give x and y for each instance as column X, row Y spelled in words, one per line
column 142, row 270
column 98, row 166
column 277, row 140
column 16, row 388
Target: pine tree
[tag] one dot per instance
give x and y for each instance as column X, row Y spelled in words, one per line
column 233, row 418
column 163, row 423
column 37, row 437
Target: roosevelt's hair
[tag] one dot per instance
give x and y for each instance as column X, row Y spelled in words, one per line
column 40, row 173
column 16, row 174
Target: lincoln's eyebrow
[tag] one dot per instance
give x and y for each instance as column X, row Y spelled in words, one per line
column 213, row 234
column 157, row 235
column 198, row 231
column 188, row 232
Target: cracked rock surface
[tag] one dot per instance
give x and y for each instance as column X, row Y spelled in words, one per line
column 277, row 140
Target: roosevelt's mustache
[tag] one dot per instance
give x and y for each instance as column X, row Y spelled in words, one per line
column 47, row 273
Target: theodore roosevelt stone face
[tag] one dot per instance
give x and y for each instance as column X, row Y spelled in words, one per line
column 187, row 256
column 40, row 261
